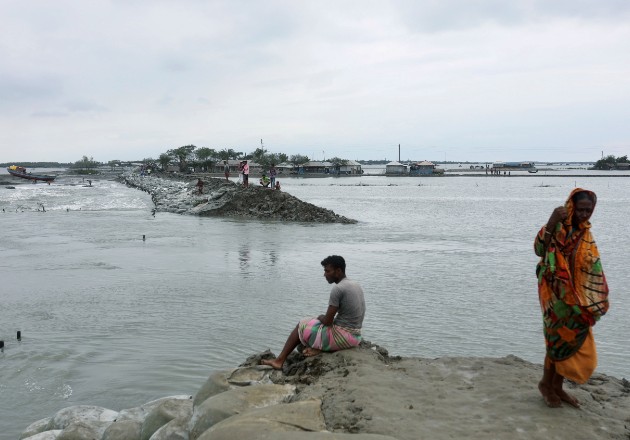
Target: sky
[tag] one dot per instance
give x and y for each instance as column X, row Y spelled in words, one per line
column 447, row 80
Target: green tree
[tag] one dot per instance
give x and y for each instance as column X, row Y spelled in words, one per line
column 229, row 153
column 164, row 160
column 265, row 159
column 183, row 155
column 258, row 154
column 206, row 157
column 606, row 163
column 298, row 159
column 336, row 161
column 86, row 163
column 280, row 158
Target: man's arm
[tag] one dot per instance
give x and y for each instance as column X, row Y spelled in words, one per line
column 327, row 319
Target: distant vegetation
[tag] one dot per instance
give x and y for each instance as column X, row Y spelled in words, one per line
column 86, row 166
column 610, row 162
column 206, row 158
column 37, row 164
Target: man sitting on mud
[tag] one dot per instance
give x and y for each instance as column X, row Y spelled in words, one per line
column 339, row 328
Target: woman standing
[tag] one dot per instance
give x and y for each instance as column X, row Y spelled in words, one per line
column 573, row 295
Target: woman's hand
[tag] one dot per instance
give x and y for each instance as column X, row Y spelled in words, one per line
column 558, row 215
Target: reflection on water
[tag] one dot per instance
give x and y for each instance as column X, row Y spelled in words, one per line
column 446, row 264
column 243, row 256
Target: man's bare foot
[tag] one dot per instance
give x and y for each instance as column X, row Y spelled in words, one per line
column 308, row 352
column 566, row 397
column 274, row 363
column 549, row 395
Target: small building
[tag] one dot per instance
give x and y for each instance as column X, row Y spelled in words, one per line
column 285, row 168
column 424, row 168
column 232, row 163
column 350, row 167
column 316, row 167
column 623, row 166
column 396, row 169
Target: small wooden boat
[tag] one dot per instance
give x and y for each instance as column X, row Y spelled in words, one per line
column 19, row 171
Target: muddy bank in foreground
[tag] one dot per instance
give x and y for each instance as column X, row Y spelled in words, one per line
column 359, row 394
column 227, row 199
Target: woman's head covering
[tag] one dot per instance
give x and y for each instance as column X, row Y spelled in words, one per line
column 570, row 206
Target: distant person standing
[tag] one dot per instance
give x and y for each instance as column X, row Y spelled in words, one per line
column 272, row 175
column 245, row 174
column 240, row 172
column 200, row 186
column 226, row 170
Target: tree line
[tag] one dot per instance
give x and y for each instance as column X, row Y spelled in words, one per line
column 204, row 157
column 610, row 162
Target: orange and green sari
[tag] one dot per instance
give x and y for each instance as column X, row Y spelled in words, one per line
column 573, row 293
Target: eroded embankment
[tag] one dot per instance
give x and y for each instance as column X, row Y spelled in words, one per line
column 360, row 394
column 227, row 199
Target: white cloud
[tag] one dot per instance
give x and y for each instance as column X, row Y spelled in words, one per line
column 131, row 79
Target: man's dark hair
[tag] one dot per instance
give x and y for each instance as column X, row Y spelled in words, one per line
column 336, row 261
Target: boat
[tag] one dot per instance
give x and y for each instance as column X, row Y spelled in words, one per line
column 18, row 171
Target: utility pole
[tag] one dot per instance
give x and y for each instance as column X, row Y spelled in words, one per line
column 398, row 152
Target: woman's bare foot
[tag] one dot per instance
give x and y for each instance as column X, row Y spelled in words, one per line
column 308, row 352
column 276, row 364
column 566, row 397
column 549, row 395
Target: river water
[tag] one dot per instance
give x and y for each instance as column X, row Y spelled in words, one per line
column 110, row 319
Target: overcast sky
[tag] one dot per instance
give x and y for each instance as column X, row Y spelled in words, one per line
column 467, row 80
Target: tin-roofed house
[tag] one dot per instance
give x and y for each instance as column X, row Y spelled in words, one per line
column 314, row 167
column 349, row 167
column 424, row 168
column 396, row 169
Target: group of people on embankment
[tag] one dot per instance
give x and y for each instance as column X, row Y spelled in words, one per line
column 267, row 180
column 572, row 290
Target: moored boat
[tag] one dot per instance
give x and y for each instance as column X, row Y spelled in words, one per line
column 18, row 171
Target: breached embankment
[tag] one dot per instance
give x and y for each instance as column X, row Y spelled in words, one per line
column 227, row 199
column 360, row 393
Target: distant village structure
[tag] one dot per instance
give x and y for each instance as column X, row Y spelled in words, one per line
column 423, row 168
column 396, row 169
column 311, row 168
column 324, row 168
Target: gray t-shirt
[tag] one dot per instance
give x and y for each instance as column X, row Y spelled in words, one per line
column 347, row 295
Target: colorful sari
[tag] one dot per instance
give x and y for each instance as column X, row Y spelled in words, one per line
column 573, row 293
column 316, row 335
